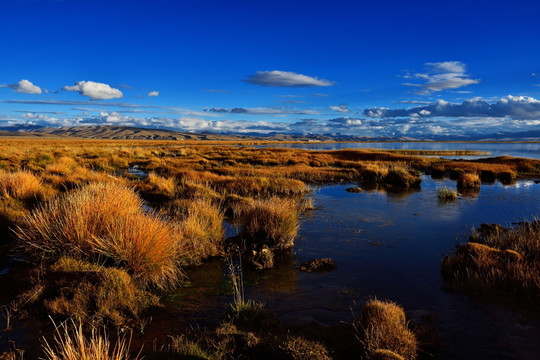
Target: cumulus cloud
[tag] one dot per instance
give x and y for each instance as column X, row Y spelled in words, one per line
column 514, row 107
column 153, row 93
column 285, row 79
column 441, row 76
column 23, row 86
column 94, row 90
column 341, row 108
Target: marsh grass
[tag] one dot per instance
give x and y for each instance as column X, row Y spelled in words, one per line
column 382, row 326
column 299, row 348
column 156, row 187
column 468, row 181
column 401, row 178
column 70, row 343
column 444, row 193
column 93, row 293
column 273, row 222
column 105, row 221
column 22, row 185
column 240, row 307
column 201, row 227
column 497, row 261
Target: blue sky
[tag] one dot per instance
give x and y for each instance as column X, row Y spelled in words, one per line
column 372, row 68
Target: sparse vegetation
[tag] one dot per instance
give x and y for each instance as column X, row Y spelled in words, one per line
column 498, row 261
column 444, row 193
column 72, row 344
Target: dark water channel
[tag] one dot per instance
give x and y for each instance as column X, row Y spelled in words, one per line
column 389, row 246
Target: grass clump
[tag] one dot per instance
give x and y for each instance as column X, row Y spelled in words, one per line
column 201, row 226
column 240, row 307
column 89, row 292
column 156, row 187
column 22, row 185
column 468, row 181
column 105, row 221
column 446, row 193
column 74, row 345
column 299, row 348
column 273, row 222
column 382, row 326
column 400, row 178
column 497, row 261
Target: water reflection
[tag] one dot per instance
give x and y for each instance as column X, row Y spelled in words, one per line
column 528, row 150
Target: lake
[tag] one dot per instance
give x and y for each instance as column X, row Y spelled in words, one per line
column 528, row 150
column 389, row 246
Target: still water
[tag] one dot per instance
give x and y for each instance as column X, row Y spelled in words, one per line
column 389, row 246
column 528, row 150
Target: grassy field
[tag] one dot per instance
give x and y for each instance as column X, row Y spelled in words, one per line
column 103, row 244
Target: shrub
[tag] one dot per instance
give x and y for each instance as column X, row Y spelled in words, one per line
column 273, row 222
column 105, row 220
column 382, row 326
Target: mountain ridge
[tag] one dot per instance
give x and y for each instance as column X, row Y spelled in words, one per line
column 118, row 132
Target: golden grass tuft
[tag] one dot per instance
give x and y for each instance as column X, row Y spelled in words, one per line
column 444, row 193
column 382, row 354
column 299, row 348
column 105, row 220
column 89, row 292
column 201, row 227
column 74, row 345
column 382, row 326
column 156, row 186
column 400, row 178
column 273, row 222
column 20, row 185
column 498, row 261
column 468, row 181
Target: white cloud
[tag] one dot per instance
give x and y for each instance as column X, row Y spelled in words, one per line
column 23, row 86
column 441, row 76
column 285, row 79
column 513, row 107
column 94, row 90
column 341, row 108
column 153, row 93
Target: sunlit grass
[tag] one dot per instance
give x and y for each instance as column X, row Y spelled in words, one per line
column 105, row 221
column 70, row 343
column 445, row 193
column 273, row 222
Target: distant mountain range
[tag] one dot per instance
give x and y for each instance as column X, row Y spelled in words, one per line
column 133, row 133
